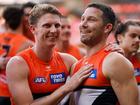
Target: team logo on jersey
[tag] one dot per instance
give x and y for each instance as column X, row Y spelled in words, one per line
column 40, row 80
column 57, row 78
column 93, row 73
column 137, row 72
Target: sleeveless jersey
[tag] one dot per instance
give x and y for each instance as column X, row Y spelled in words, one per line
column 136, row 63
column 16, row 43
column 96, row 89
column 44, row 78
column 5, row 39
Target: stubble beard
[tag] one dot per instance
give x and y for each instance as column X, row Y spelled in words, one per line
column 91, row 41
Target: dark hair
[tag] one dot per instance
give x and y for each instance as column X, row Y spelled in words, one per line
column 13, row 16
column 28, row 4
column 108, row 14
column 41, row 9
column 122, row 28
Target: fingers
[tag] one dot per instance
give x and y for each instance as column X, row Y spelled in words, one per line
column 114, row 47
column 111, row 47
column 86, row 67
column 86, row 75
column 121, row 51
column 84, row 72
column 79, row 76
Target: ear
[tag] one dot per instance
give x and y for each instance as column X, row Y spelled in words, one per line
column 32, row 28
column 108, row 28
column 120, row 38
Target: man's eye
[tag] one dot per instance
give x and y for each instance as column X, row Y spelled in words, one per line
column 57, row 25
column 82, row 19
column 92, row 19
column 62, row 27
column 47, row 25
column 133, row 35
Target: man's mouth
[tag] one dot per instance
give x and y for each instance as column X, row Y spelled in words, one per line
column 135, row 45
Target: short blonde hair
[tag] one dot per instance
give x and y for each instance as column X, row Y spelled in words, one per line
column 41, row 9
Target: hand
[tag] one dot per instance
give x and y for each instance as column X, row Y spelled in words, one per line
column 114, row 47
column 3, row 62
column 78, row 77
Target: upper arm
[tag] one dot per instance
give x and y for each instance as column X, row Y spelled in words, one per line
column 69, row 60
column 17, row 77
column 121, row 74
column 72, row 68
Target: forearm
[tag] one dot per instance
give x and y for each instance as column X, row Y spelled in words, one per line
column 54, row 98
column 128, row 94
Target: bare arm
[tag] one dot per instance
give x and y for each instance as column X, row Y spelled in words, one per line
column 121, row 74
column 17, row 75
column 72, row 100
column 69, row 60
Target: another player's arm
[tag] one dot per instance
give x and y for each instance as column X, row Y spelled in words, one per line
column 17, row 74
column 72, row 100
column 69, row 60
column 121, row 74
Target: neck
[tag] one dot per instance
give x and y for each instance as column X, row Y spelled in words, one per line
column 127, row 53
column 43, row 53
column 62, row 46
column 19, row 30
column 94, row 49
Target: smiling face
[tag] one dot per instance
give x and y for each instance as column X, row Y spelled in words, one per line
column 131, row 39
column 91, row 26
column 65, row 30
column 47, row 29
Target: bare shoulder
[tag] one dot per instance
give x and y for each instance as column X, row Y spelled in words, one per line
column 72, row 68
column 16, row 65
column 116, row 65
column 68, row 59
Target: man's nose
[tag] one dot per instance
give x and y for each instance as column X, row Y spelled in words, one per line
column 137, row 39
column 83, row 24
column 53, row 28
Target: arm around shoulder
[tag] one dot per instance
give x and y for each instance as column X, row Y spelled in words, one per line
column 120, row 72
